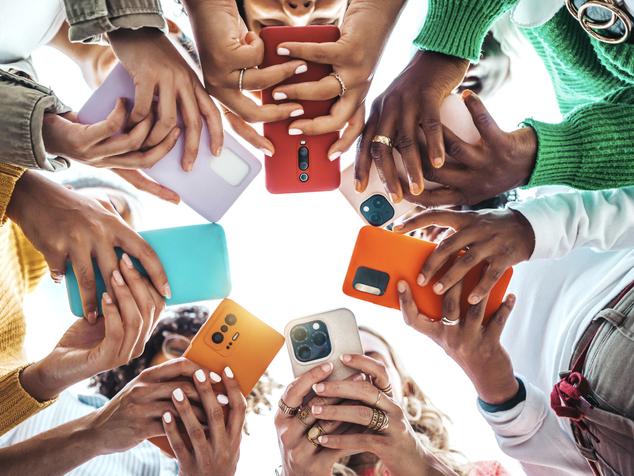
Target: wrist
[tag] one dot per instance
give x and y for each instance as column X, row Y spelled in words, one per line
column 498, row 392
column 526, row 153
column 20, row 192
column 36, row 381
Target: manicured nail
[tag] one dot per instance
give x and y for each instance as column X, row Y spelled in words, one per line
column 127, row 261
column 326, row 367
column 421, row 280
column 473, row 299
column 118, row 278
column 438, row 287
column 316, row 410
column 167, row 417
column 357, row 186
column 295, row 132
column 200, row 375
column 222, row 399
column 283, row 52
column 437, row 162
column 218, row 152
column 302, row 68
column 323, row 439
column 401, row 286
column 278, row 96
column 215, row 378
column 167, row 291
column 334, row 156
column 267, row 152
column 296, row 113
column 228, row 372
column 414, row 188
column 178, row 395
column 107, row 299
column 319, row 387
column 394, row 198
column 466, row 94
column 346, row 358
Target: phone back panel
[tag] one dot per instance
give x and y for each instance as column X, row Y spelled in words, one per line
column 194, row 257
column 283, row 170
column 344, row 339
column 214, row 183
column 381, row 258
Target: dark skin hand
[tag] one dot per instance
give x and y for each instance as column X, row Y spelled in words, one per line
column 501, row 238
column 413, row 100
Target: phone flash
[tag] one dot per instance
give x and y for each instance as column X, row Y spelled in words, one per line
column 316, row 325
column 235, row 336
column 364, row 288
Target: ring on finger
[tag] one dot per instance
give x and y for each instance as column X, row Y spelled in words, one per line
column 342, row 85
column 449, row 322
column 314, row 433
column 241, row 79
column 387, row 389
column 287, row 410
column 385, row 140
column 379, row 421
column 303, row 414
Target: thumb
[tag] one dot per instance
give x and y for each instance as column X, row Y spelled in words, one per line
column 482, row 119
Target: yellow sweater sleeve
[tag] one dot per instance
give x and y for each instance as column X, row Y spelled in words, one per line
column 9, row 176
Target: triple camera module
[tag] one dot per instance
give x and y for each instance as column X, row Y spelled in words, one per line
column 311, row 341
column 377, row 210
column 218, row 337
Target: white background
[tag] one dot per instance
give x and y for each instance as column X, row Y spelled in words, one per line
column 289, row 255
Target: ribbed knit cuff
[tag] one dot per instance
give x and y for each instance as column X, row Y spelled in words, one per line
column 458, row 27
column 9, row 176
column 16, row 403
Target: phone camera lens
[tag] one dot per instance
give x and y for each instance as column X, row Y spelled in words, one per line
column 231, row 319
column 303, row 177
column 217, row 337
column 319, row 338
column 299, row 334
column 303, row 353
column 302, row 158
column 224, row 328
column 378, row 202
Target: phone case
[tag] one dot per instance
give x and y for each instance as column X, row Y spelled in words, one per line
column 248, row 347
column 381, row 258
column 194, row 257
column 214, row 183
column 300, row 163
column 341, row 327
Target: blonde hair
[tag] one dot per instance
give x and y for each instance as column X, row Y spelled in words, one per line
column 426, row 420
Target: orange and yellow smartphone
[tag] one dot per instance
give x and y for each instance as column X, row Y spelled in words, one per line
column 232, row 337
column 381, row 258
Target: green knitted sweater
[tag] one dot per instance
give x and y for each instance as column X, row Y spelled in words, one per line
column 593, row 147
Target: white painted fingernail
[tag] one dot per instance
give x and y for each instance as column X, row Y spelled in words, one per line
column 278, row 96
column 228, row 372
column 167, row 417
column 222, row 399
column 301, row 69
column 334, row 156
column 283, row 51
column 200, row 375
column 267, row 152
column 295, row 132
column 178, row 395
column 215, row 378
column 297, row 112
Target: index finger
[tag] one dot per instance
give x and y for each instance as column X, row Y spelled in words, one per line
column 432, row 129
column 179, row 367
column 298, row 389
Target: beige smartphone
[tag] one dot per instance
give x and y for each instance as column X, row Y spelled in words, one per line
column 313, row 340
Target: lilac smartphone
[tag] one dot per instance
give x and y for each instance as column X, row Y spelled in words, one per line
column 213, row 185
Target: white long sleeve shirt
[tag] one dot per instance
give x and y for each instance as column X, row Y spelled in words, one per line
column 583, row 257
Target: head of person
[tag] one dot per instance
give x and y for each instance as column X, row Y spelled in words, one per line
column 258, row 14
column 169, row 340
column 427, row 421
column 488, row 75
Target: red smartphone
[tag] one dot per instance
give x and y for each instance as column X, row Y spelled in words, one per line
column 300, row 163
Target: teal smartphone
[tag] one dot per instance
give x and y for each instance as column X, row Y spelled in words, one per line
column 194, row 257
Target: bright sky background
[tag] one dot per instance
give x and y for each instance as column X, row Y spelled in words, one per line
column 289, row 255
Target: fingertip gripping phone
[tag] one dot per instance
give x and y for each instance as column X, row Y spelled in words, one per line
column 214, row 183
column 324, row 337
column 301, row 162
column 195, row 259
column 381, row 258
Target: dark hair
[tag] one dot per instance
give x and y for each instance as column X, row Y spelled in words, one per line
column 185, row 321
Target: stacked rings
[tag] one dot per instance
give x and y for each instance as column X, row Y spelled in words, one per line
column 387, row 389
column 303, row 414
column 314, row 433
column 379, row 421
column 286, row 410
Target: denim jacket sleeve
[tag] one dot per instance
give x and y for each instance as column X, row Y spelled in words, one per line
column 89, row 20
column 23, row 103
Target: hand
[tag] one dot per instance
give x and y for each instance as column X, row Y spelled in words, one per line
column 87, row 349
column 500, row 238
column 157, row 68
column 64, row 225
column 501, row 161
column 413, row 99
column 476, row 349
column 216, row 453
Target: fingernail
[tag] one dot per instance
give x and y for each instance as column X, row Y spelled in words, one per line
column 92, row 315
column 178, row 395
column 511, row 300
column 323, row 439
column 127, row 261
column 326, row 367
column 200, row 375
column 167, row 291
column 267, row 152
column 357, row 186
column 278, row 96
column 295, row 132
column 421, row 280
column 167, row 417
column 467, row 93
column 473, row 299
column 394, row 198
column 283, row 51
column 218, row 152
column 437, row 162
column 319, row 387
column 346, row 358
column 398, row 227
column 401, row 287
column 215, row 378
column 228, row 372
column 301, row 69
column 189, row 167
column 107, row 299
column 414, row 188
column 296, row 113
column 118, row 278
column 334, row 156
column 315, row 410
column 438, row 287
column 358, row 378
column 222, row 399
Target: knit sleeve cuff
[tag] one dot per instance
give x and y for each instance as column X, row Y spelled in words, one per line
column 9, row 176
column 16, row 403
column 458, row 27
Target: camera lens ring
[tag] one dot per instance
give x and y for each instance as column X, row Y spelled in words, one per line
column 299, row 334
column 303, row 353
column 303, row 177
column 217, row 337
column 230, row 319
column 319, row 338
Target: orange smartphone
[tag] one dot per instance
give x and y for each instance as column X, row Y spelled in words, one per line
column 232, row 337
column 381, row 258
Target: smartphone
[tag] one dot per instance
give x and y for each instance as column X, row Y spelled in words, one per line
column 213, row 185
column 194, row 257
column 381, row 258
column 232, row 337
column 300, row 163
column 325, row 337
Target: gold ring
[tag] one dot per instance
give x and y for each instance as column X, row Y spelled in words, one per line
column 342, row 85
column 285, row 409
column 385, row 140
column 379, row 421
column 241, row 79
column 387, row 389
column 303, row 414
column 314, row 433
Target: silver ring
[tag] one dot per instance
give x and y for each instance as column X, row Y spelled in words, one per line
column 449, row 322
column 342, row 85
column 241, row 79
